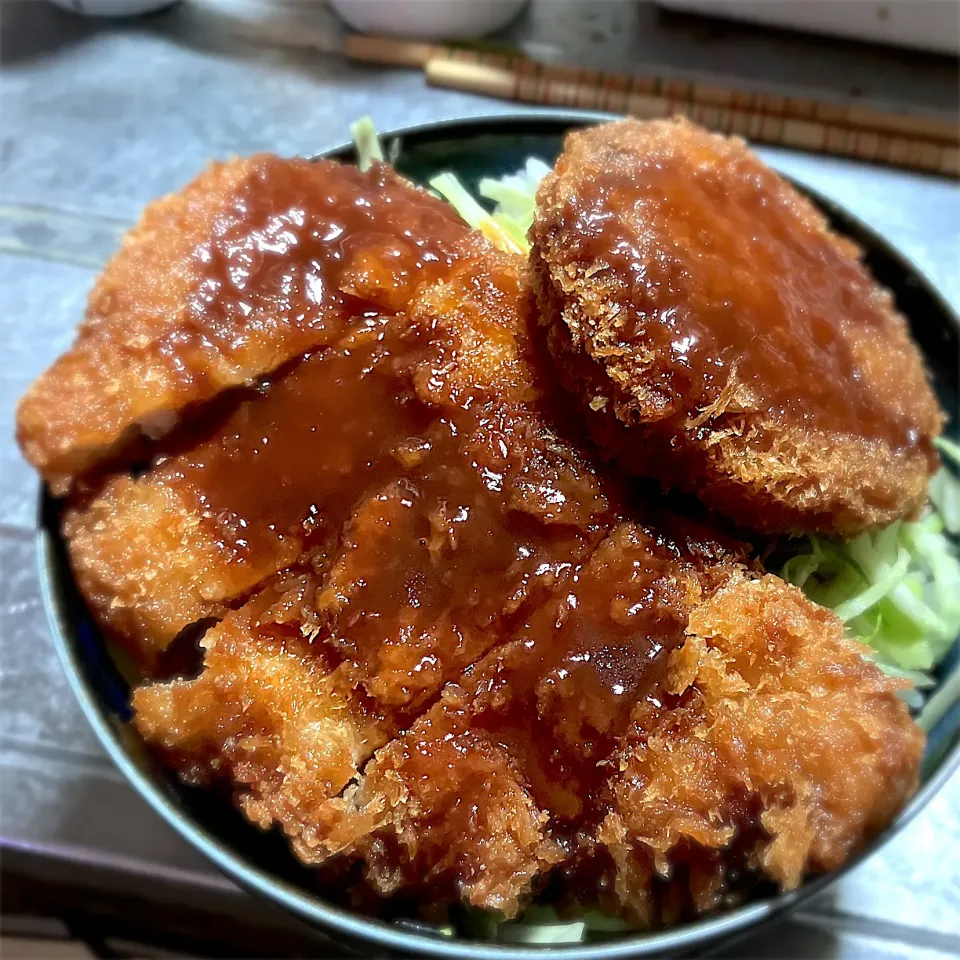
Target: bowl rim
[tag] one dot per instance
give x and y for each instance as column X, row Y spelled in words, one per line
column 370, row 930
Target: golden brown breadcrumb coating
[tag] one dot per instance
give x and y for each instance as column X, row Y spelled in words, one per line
column 638, row 715
column 450, row 388
column 489, row 789
column 149, row 563
column 255, row 262
column 270, row 711
column 777, row 747
column 672, row 774
column 723, row 339
column 446, row 813
column 478, row 513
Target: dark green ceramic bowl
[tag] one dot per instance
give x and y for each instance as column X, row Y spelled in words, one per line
column 261, row 862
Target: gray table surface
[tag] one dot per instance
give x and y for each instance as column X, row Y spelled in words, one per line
column 97, row 119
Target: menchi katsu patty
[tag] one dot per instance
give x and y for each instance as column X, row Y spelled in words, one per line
column 723, row 339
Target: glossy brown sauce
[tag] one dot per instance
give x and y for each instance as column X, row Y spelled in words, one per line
column 727, row 284
column 434, row 567
column 581, row 663
column 309, row 245
column 464, row 538
column 531, row 733
column 443, row 509
column 288, row 462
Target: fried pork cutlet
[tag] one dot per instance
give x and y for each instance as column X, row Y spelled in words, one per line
column 776, row 748
column 441, row 649
column 665, row 775
column 283, row 470
column 270, row 709
column 180, row 543
column 513, row 664
column 494, row 785
column 251, row 265
column 471, row 520
column 723, row 339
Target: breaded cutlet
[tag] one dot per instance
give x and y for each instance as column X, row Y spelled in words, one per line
column 516, row 656
column 778, row 749
column 722, row 338
column 270, row 710
column 254, row 263
column 445, row 394
column 664, row 732
column 474, row 674
column 492, row 788
column 467, row 524
column 277, row 475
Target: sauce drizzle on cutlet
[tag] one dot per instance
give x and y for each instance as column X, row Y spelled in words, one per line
column 441, row 507
column 313, row 244
column 466, row 539
column 440, row 561
column 581, row 662
column 726, row 287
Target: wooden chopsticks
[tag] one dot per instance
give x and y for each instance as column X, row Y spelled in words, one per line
column 897, row 139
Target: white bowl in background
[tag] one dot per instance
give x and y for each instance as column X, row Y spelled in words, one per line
column 112, row 8
column 428, row 19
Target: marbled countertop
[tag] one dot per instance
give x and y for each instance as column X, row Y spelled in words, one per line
column 97, row 119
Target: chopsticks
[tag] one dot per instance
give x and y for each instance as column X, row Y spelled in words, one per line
column 904, row 140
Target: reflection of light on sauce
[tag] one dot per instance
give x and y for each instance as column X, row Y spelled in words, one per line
column 722, row 278
column 579, row 667
column 450, row 528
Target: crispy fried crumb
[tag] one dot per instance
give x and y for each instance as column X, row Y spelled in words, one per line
column 254, row 263
column 777, row 748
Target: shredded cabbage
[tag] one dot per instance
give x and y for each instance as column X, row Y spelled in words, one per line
column 542, row 924
column 897, row 589
column 944, row 489
column 499, row 229
column 514, row 197
column 364, row 135
column 945, row 496
column 950, row 448
column 533, row 931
